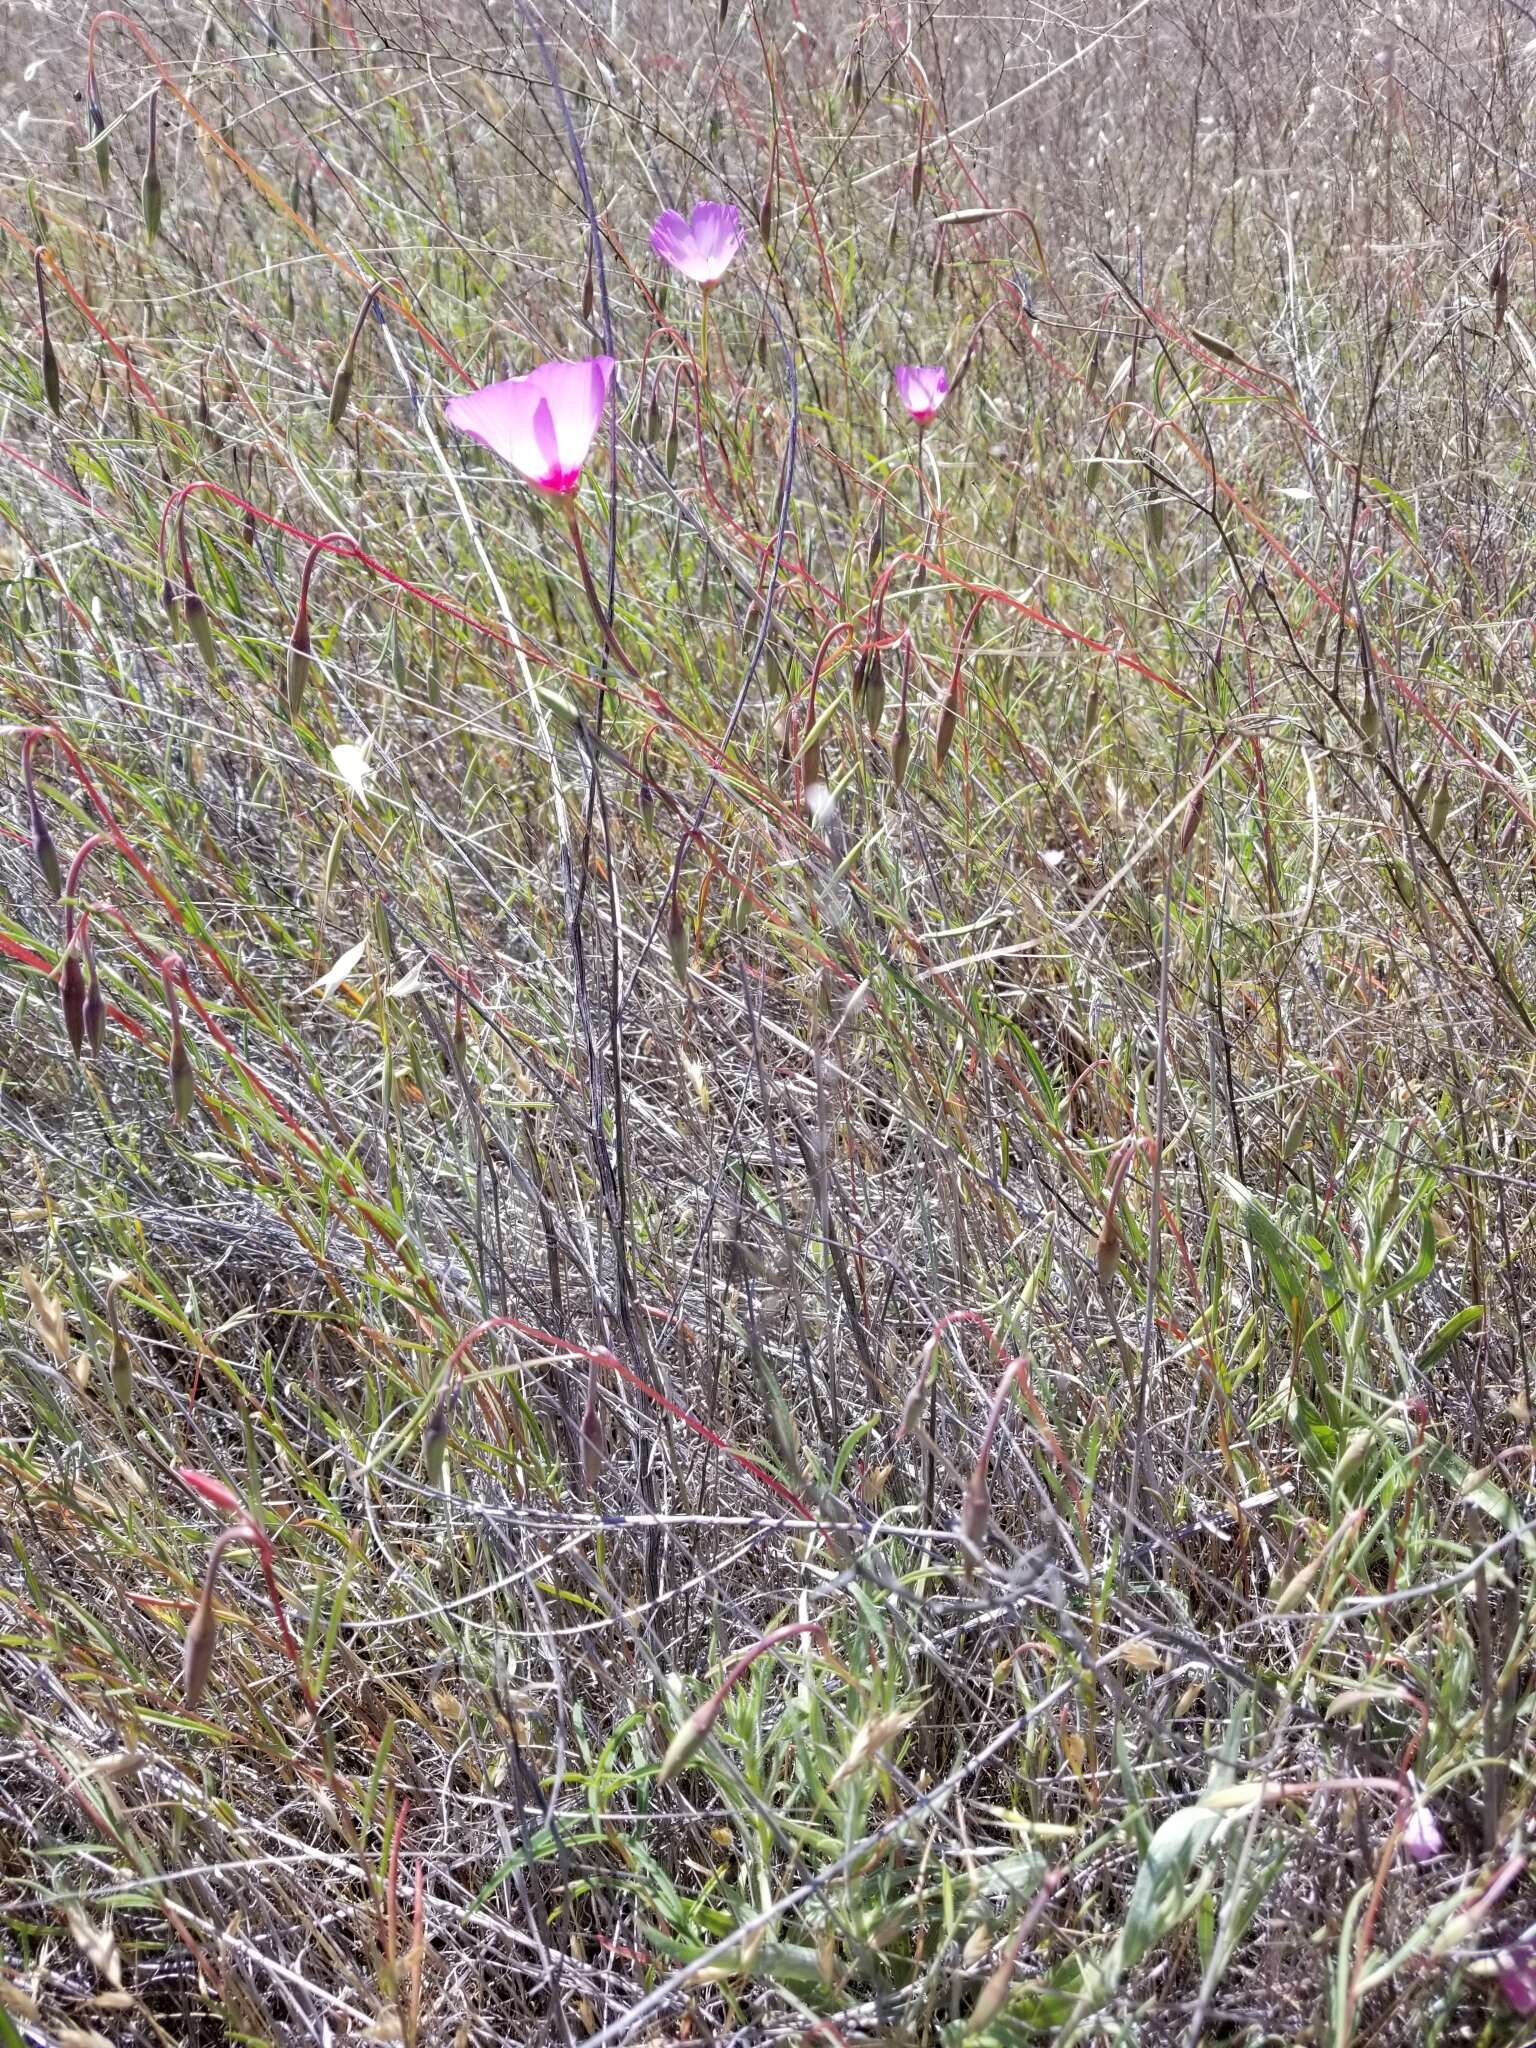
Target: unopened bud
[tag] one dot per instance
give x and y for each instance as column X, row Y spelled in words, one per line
column 341, row 390
column 202, row 1639
column 677, row 939
column 436, row 1438
column 949, row 718
column 1440, row 808
column 183, row 1083
column 687, row 1739
column 97, row 121
column 152, row 192
column 121, row 1368
column 298, row 665
column 591, row 1439
column 72, row 998
column 901, row 749
column 867, row 687
column 1106, row 1252
column 44, row 852
column 95, row 1005
column 200, row 625
column 975, row 1511
column 48, row 362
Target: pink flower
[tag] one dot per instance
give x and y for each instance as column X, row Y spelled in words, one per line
column 1517, row 1974
column 544, row 423
column 1421, row 1836
column 702, row 246
column 922, row 389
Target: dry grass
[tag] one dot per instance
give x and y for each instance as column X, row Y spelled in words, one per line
column 1042, row 1236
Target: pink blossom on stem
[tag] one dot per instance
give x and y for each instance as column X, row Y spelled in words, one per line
column 544, row 424
column 1421, row 1833
column 702, row 246
column 922, row 387
column 1517, row 1973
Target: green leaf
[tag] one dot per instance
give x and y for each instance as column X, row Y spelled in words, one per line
column 1453, row 1327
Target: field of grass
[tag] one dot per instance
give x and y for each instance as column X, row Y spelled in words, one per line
column 781, row 1296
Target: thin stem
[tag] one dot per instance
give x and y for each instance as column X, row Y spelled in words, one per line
column 604, row 625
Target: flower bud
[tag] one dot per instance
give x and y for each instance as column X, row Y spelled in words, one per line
column 97, row 122
column 72, row 998
column 1440, row 808
column 975, row 1510
column 436, row 1438
column 687, row 1739
column 341, row 390
column 202, row 1639
column 95, row 1004
column 949, row 718
column 121, row 1367
column 901, row 749
column 298, row 665
column 48, row 362
column 1422, row 1839
column 44, row 852
column 152, row 192
column 183, row 1084
column 1106, row 1251
column 195, row 612
column 591, row 1439
column 586, row 287
column 867, row 687
column 677, row 940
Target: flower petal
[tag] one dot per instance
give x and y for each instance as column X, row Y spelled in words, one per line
column 544, row 423
column 669, row 236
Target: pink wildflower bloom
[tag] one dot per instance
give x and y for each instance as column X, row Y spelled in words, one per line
column 923, row 388
column 702, row 246
column 1517, row 1973
column 544, row 424
column 1421, row 1836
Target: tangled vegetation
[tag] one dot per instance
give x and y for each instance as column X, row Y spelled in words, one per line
column 768, row 1212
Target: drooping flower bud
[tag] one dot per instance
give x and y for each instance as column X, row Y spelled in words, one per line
column 949, row 719
column 975, row 1510
column 341, row 385
column 72, row 997
column 591, row 1437
column 202, row 1637
column 901, row 749
column 195, row 612
column 1422, row 1839
column 48, row 362
column 677, row 939
column 152, row 192
column 298, row 663
column 97, row 121
column 95, row 1003
column 183, row 1083
column 1517, row 1973
column 867, row 687
column 121, row 1367
column 687, row 1739
column 44, row 852
column 435, row 1439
